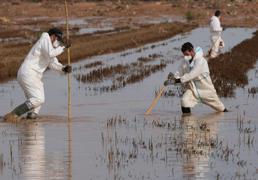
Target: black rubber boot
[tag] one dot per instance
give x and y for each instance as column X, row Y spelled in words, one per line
column 225, row 110
column 186, row 110
column 32, row 115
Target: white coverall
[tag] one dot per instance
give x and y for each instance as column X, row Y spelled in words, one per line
column 41, row 56
column 200, row 88
column 216, row 40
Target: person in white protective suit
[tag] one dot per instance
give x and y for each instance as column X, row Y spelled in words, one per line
column 41, row 56
column 194, row 72
column 215, row 34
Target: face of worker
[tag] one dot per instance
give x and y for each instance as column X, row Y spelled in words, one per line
column 54, row 41
column 53, row 38
column 188, row 55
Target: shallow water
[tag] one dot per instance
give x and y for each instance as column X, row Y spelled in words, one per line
column 109, row 138
column 91, row 25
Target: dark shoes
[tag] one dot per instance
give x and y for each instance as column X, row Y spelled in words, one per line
column 225, row 110
column 186, row 110
column 32, row 115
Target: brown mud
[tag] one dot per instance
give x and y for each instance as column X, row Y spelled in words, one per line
column 12, row 55
column 27, row 25
column 94, row 64
column 240, row 13
column 43, row 119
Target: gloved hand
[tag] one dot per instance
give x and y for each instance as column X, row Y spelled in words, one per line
column 66, row 43
column 166, row 83
column 224, row 28
column 67, row 69
column 172, row 81
column 221, row 44
column 171, row 76
column 177, row 81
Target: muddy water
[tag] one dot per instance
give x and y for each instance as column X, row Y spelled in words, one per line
column 97, row 24
column 110, row 138
column 78, row 26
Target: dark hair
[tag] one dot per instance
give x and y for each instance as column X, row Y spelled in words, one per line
column 187, row 47
column 217, row 13
column 57, row 32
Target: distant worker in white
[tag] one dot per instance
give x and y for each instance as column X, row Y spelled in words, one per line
column 194, row 73
column 215, row 31
column 41, row 56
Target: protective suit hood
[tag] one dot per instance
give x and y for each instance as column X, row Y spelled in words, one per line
column 198, row 53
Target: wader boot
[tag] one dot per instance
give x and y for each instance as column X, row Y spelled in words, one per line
column 16, row 113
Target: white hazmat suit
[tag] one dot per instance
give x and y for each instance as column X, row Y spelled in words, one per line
column 216, row 40
column 41, row 56
column 200, row 88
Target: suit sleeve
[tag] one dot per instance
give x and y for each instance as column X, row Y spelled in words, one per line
column 55, row 65
column 179, row 71
column 194, row 73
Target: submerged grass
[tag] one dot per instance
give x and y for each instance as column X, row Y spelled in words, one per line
column 120, row 75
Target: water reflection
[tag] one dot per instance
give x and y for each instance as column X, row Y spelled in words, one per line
column 199, row 137
column 32, row 152
column 159, row 145
column 36, row 161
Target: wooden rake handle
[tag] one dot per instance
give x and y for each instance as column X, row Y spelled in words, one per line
column 155, row 101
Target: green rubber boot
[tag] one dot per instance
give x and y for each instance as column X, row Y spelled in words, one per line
column 13, row 116
column 21, row 109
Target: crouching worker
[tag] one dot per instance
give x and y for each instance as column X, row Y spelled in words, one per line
column 41, row 56
column 194, row 72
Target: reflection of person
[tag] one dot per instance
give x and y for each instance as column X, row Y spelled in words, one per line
column 199, row 136
column 194, row 72
column 37, row 162
column 215, row 30
column 41, row 56
column 32, row 152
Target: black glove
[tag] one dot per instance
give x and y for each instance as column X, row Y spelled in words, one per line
column 224, row 28
column 172, row 81
column 67, row 69
column 177, row 81
column 166, row 83
column 171, row 76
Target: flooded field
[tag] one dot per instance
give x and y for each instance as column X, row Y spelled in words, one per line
column 110, row 138
column 31, row 27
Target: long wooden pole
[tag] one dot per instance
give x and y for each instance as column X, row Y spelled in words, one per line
column 155, row 101
column 69, row 62
column 69, row 101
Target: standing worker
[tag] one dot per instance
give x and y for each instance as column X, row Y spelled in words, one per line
column 42, row 56
column 215, row 31
column 194, row 72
